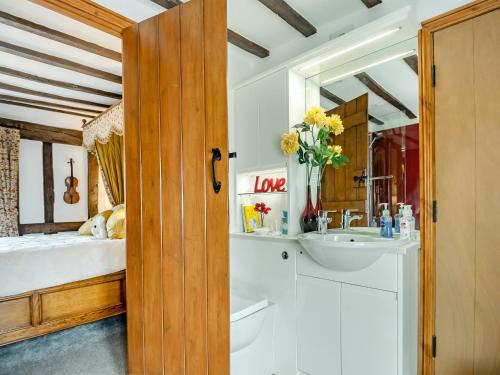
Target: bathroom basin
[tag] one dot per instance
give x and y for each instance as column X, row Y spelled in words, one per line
column 348, row 251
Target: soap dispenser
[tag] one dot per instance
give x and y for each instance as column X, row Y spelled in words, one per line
column 398, row 217
column 385, row 222
column 407, row 223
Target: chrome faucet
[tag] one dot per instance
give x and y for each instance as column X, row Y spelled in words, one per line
column 324, row 220
column 347, row 219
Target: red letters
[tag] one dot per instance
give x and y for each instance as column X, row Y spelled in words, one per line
column 270, row 185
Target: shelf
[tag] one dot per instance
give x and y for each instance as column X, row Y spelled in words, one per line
column 266, row 237
column 273, row 193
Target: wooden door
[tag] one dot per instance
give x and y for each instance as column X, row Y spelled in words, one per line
column 338, row 188
column 467, row 157
column 177, row 225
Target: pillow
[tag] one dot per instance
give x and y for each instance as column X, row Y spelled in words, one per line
column 116, row 224
column 86, row 228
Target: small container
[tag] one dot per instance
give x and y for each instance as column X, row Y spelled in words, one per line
column 407, row 223
column 398, row 217
column 284, row 223
column 385, row 222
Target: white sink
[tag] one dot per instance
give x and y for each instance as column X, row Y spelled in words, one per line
column 348, row 251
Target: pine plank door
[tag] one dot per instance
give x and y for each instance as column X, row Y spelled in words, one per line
column 177, row 224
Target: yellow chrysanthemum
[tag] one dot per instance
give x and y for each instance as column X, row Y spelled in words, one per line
column 335, row 124
column 289, row 143
column 337, row 150
column 316, row 116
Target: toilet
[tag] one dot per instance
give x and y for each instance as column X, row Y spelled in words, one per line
column 252, row 331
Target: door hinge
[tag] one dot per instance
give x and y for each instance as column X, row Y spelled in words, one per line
column 434, row 211
column 434, row 346
column 232, row 155
column 433, row 75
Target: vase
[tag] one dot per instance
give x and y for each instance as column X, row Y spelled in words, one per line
column 319, row 203
column 309, row 217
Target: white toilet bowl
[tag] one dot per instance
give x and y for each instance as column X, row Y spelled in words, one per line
column 252, row 326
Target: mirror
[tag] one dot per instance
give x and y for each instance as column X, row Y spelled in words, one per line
column 376, row 95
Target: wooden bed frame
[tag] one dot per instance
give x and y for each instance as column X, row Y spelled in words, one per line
column 48, row 310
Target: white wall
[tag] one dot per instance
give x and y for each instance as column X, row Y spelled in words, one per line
column 31, row 210
column 61, row 154
column 426, row 9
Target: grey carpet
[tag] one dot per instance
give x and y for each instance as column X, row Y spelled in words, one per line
column 92, row 349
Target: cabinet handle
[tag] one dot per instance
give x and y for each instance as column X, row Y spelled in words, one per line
column 284, row 255
column 216, row 156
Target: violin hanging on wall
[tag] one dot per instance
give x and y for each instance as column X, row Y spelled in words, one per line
column 71, row 196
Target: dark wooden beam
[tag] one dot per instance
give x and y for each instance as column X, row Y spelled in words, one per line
column 20, row 23
column 384, row 94
column 49, row 227
column 44, row 133
column 167, row 4
column 339, row 101
column 93, row 185
column 48, row 183
column 46, row 104
column 246, row 44
column 6, row 86
column 59, row 62
column 56, row 83
column 412, row 62
column 48, row 109
column 290, row 16
column 371, row 3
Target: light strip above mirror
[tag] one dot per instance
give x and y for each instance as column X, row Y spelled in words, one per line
column 352, row 72
column 351, row 48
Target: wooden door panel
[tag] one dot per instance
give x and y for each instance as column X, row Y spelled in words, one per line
column 175, row 104
column 339, row 191
column 487, row 91
column 455, row 244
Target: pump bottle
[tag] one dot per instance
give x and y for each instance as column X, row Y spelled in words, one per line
column 385, row 222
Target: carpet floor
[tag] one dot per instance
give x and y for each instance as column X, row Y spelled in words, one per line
column 92, row 349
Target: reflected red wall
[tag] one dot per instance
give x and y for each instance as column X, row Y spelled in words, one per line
column 397, row 154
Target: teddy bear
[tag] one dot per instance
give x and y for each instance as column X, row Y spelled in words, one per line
column 99, row 228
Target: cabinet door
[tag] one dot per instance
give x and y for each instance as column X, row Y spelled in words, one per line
column 369, row 331
column 273, row 118
column 246, row 127
column 318, row 326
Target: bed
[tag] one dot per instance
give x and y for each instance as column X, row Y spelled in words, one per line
column 52, row 282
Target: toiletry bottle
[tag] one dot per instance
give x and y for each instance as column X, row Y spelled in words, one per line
column 385, row 222
column 284, row 222
column 398, row 217
column 407, row 223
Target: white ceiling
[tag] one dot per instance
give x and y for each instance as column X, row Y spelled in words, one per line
column 40, row 15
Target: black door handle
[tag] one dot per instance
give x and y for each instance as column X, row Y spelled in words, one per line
column 216, row 156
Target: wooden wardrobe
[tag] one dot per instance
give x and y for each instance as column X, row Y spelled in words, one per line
column 466, row 215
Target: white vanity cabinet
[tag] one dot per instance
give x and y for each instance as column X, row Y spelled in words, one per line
column 261, row 117
column 353, row 323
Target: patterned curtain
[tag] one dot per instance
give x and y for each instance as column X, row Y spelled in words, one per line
column 9, row 171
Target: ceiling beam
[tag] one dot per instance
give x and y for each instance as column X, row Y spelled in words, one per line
column 246, row 44
column 6, row 86
column 57, row 61
column 371, row 3
column 34, row 28
column 44, row 133
column 412, row 62
column 290, row 16
column 56, row 83
column 339, row 101
column 369, row 82
column 167, row 4
column 42, row 108
column 47, row 104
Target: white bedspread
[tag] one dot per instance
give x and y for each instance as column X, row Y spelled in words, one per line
column 38, row 261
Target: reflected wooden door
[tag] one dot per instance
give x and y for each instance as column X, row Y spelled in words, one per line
column 338, row 188
column 177, row 225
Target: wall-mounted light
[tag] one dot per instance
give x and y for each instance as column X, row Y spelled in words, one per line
column 351, row 48
column 363, row 68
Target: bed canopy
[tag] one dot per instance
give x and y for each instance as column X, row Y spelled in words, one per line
column 103, row 136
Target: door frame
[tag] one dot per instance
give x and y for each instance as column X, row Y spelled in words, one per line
column 427, row 304
column 216, row 260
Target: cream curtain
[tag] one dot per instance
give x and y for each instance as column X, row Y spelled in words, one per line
column 9, row 171
column 110, row 156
